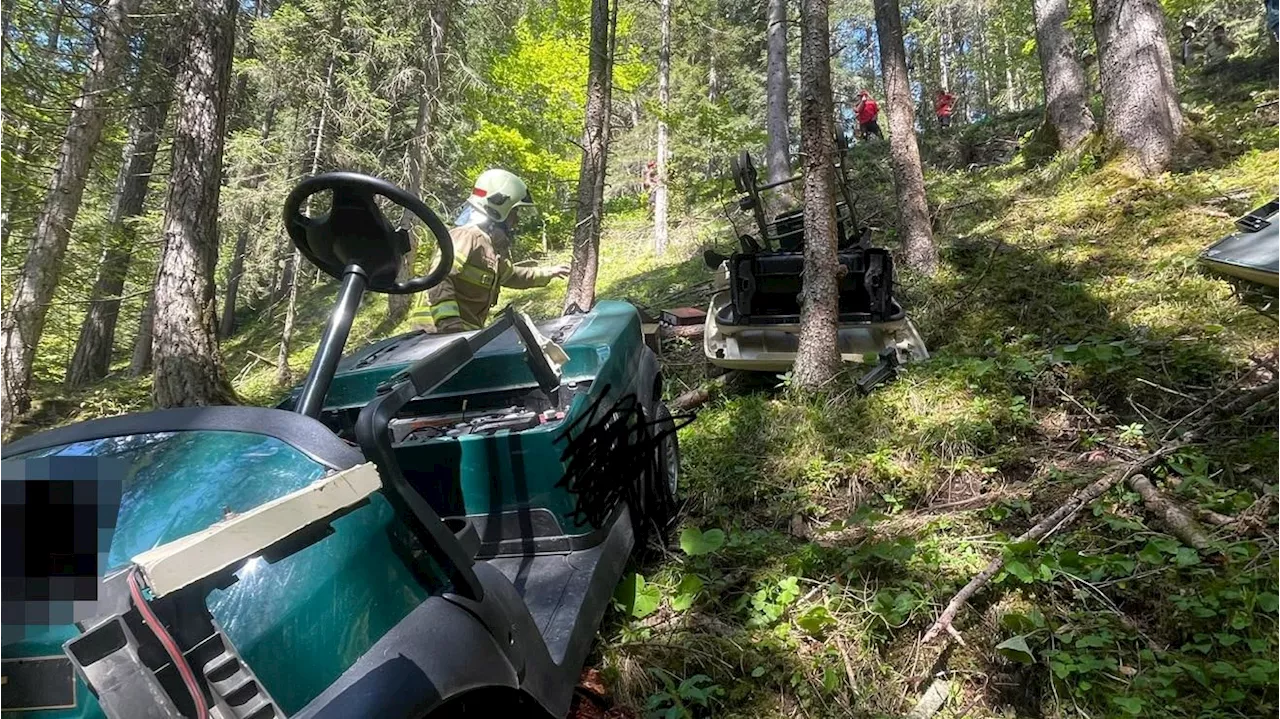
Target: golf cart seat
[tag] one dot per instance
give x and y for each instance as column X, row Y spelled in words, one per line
column 765, row 288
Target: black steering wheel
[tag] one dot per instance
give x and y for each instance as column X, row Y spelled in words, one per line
column 355, row 233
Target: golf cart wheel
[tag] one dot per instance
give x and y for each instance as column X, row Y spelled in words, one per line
column 668, row 455
column 658, row 506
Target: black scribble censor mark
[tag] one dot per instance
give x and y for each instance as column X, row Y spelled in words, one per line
column 57, row 518
column 613, row 455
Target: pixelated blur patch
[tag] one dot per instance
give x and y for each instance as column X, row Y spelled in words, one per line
column 59, row 514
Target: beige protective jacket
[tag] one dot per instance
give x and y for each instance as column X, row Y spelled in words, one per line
column 462, row 301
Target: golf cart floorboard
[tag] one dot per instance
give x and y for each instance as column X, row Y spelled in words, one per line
column 566, row 593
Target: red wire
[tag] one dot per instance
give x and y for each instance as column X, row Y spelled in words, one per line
column 170, row 646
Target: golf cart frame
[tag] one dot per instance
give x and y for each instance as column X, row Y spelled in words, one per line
column 754, row 319
column 514, row 593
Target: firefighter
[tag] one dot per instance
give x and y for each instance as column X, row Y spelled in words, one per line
column 866, row 112
column 943, row 105
column 482, row 258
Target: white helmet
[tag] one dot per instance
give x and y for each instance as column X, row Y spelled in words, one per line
column 497, row 192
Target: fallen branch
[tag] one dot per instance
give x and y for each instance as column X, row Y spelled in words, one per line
column 1043, row 528
column 1086, row 497
column 1174, row 517
column 932, row 700
column 699, row 396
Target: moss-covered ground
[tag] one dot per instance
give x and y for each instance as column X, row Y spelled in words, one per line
column 820, row 535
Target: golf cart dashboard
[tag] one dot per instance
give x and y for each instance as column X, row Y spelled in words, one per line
column 471, row 414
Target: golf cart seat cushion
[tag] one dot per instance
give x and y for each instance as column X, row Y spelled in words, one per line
column 765, row 287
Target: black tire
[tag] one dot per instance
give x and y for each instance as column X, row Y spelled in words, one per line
column 658, row 506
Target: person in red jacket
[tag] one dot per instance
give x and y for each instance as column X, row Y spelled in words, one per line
column 943, row 105
column 866, row 112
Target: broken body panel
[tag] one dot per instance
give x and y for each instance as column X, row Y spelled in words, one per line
column 753, row 322
column 1253, row 253
column 330, row 600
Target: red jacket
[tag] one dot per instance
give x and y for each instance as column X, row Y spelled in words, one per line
column 943, row 106
column 867, row 111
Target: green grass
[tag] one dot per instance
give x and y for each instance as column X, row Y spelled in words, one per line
column 1068, row 316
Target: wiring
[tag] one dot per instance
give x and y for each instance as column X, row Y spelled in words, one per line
column 170, row 646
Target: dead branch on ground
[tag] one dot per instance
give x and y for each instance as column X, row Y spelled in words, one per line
column 1241, row 404
column 1178, row 520
column 699, row 396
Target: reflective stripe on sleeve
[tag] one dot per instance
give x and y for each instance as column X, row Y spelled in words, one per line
column 444, row 310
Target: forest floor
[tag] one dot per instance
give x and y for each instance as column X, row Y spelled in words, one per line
column 821, row 536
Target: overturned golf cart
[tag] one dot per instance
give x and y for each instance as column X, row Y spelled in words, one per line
column 432, row 526
column 1249, row 257
column 754, row 319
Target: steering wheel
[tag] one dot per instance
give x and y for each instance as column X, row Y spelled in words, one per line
column 355, row 232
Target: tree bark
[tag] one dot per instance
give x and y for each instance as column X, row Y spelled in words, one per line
column 227, row 322
column 660, row 195
column 1010, row 95
column 92, row 358
column 434, row 33
column 22, row 325
column 778, row 150
column 1142, row 119
column 140, row 364
column 817, row 359
column 284, row 374
column 188, row 367
column 26, row 133
column 581, row 294
column 914, row 230
column 1066, row 97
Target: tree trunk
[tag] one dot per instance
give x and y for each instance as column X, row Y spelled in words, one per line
column 984, row 62
column 943, row 39
column 904, row 154
column 6, row 20
column 436, row 26
column 188, row 368
column 660, row 195
column 243, row 106
column 1142, row 118
column 817, row 359
column 22, row 325
column 92, row 358
column 1066, row 97
column 140, row 364
column 595, row 142
column 227, row 325
column 296, row 276
column 1010, row 96
column 14, row 196
column 284, row 374
column 778, row 160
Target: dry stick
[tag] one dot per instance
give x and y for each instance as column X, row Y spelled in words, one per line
column 1084, row 497
column 699, row 396
column 1174, row 517
column 1042, row 528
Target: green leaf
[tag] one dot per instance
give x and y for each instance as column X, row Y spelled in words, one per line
column 1186, row 557
column 644, row 597
column 816, row 620
column 695, row 542
column 1016, row 649
column 1130, row 705
column 1268, row 602
column 686, row 593
column 757, row 672
column 1020, row 570
column 1151, row 554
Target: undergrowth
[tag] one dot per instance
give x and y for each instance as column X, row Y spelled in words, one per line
column 821, row 534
